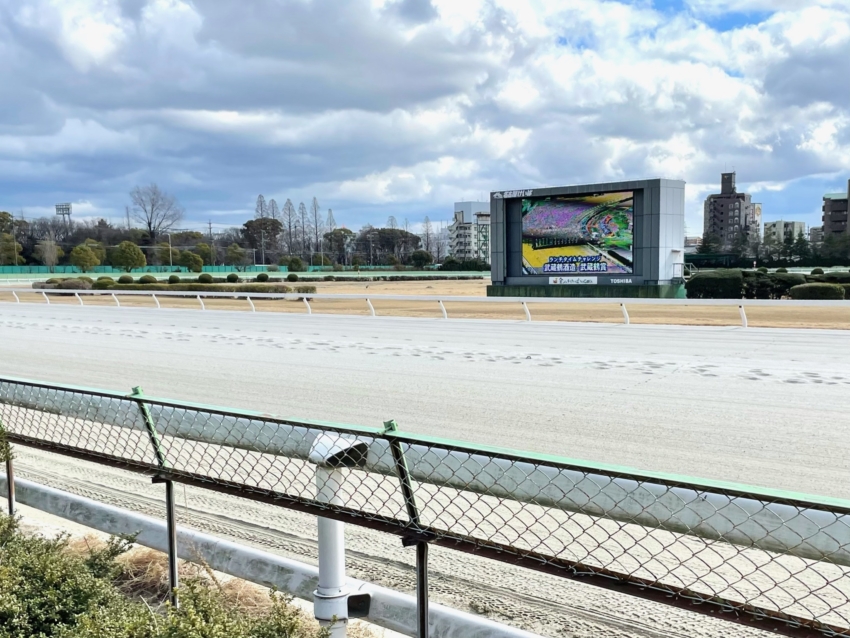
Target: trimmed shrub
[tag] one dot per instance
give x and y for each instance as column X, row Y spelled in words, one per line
column 782, row 270
column 757, row 285
column 232, row 278
column 195, row 287
column 148, row 279
column 125, row 279
column 784, row 282
column 86, row 279
column 174, row 279
column 104, row 278
column 763, row 269
column 53, row 280
column 74, row 284
column 206, row 278
column 837, row 277
column 817, row 291
column 725, row 283
column 292, row 277
column 307, row 290
column 846, row 290
column 817, row 271
column 329, row 278
column 262, row 277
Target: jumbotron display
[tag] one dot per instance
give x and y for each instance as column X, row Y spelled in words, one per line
column 586, row 234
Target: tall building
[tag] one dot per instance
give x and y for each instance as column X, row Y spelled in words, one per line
column 729, row 213
column 835, row 213
column 816, row 235
column 780, row 231
column 469, row 232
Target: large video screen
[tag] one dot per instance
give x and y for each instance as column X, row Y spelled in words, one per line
column 579, row 235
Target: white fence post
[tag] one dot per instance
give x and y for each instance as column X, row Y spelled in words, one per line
column 80, row 299
column 527, row 311
column 117, row 303
column 330, row 598
column 203, row 307
column 307, row 303
column 743, row 316
column 15, row 295
column 371, row 307
column 253, row 309
column 44, row 294
column 157, row 301
column 443, row 308
column 626, row 319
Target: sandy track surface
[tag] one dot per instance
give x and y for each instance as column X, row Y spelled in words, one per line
column 766, row 317
column 765, row 407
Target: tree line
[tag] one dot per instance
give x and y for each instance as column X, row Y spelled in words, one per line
column 790, row 251
column 286, row 235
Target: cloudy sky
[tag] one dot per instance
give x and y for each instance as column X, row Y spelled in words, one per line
column 401, row 107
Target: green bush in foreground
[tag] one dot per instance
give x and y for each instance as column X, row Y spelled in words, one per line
column 74, row 284
column 125, row 279
column 174, row 279
column 262, row 277
column 818, row 291
column 292, row 277
column 782, row 270
column 48, row 591
column 724, row 283
column 309, row 290
column 148, row 279
column 817, row 271
column 206, row 278
column 232, row 278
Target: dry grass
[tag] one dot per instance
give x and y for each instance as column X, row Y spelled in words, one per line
column 763, row 317
column 144, row 576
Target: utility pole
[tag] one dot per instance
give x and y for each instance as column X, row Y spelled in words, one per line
column 263, row 245
column 212, row 244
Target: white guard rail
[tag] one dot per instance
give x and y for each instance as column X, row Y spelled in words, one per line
column 440, row 300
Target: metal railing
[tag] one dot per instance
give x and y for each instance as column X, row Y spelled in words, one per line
column 439, row 300
column 767, row 559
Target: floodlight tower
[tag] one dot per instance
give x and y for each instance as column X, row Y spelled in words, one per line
column 65, row 211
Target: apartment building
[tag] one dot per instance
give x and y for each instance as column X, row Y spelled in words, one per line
column 469, row 232
column 835, row 212
column 729, row 213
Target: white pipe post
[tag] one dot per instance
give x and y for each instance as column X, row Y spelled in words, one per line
column 626, row 319
column 443, row 308
column 203, row 307
column 307, row 303
column 527, row 312
column 117, row 303
column 253, row 309
column 331, row 595
column 157, row 302
column 743, row 316
column 15, row 295
column 80, row 299
column 371, row 307
column 44, row 294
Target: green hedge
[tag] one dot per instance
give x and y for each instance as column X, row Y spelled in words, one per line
column 830, row 278
column 278, row 288
column 818, row 291
column 724, row 283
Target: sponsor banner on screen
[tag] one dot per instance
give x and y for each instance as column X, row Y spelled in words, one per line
column 574, row 281
column 579, row 235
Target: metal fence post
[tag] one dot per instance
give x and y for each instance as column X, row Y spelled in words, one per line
column 170, row 514
column 416, row 536
column 331, row 593
column 6, row 451
column 743, row 314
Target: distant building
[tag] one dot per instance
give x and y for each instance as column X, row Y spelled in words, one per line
column 816, row 235
column 692, row 244
column 781, row 231
column 729, row 213
column 469, row 232
column 835, row 213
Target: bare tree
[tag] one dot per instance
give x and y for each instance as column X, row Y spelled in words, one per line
column 261, row 210
column 316, row 222
column 302, row 214
column 273, row 210
column 406, row 225
column 391, row 222
column 48, row 251
column 156, row 210
column 288, row 219
column 331, row 222
column 428, row 235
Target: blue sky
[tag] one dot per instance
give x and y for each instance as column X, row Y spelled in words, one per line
column 401, row 107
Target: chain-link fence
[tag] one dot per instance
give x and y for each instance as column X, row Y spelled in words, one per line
column 761, row 558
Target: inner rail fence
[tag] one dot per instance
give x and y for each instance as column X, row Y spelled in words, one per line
column 767, row 559
column 44, row 295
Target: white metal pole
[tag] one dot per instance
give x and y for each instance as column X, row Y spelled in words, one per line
column 626, row 319
column 443, row 308
column 527, row 312
column 117, row 303
column 307, row 303
column 371, row 307
column 330, row 597
column 253, row 309
column 743, row 316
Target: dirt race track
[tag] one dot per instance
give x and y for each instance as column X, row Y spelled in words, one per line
column 762, row 317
